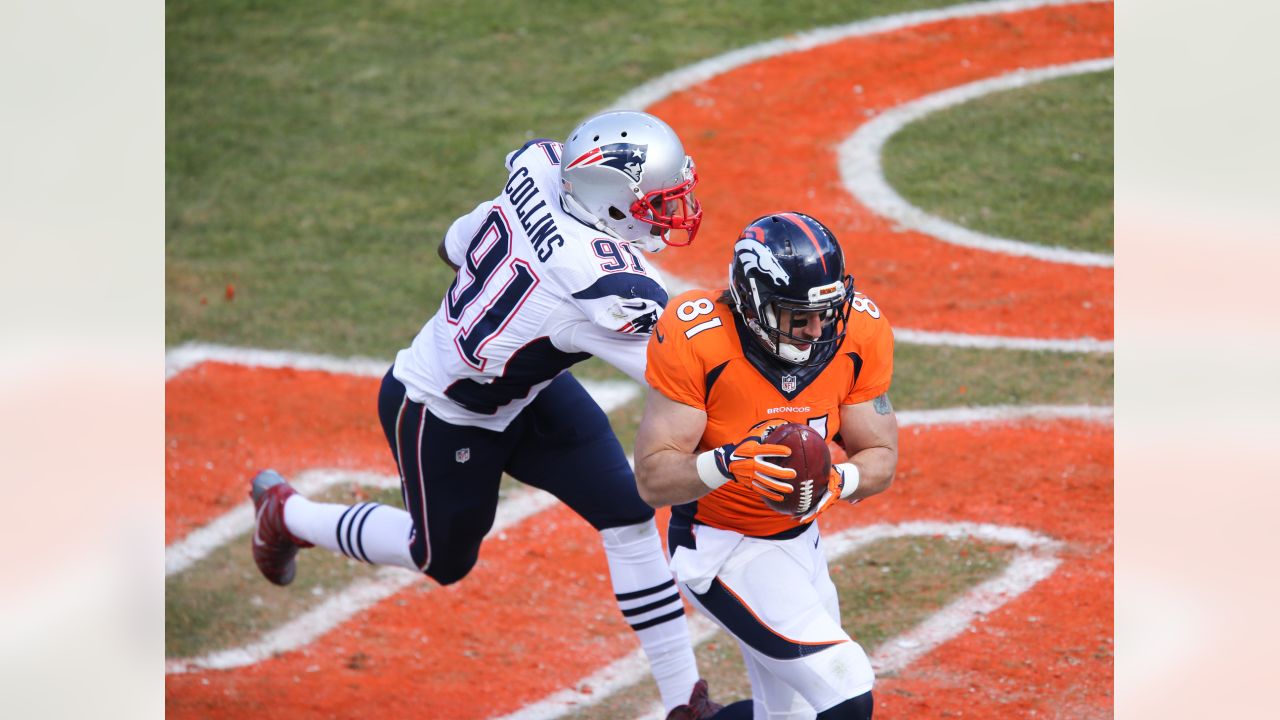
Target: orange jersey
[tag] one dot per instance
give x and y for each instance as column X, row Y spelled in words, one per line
column 696, row 357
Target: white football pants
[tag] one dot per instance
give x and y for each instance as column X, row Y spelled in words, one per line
column 776, row 598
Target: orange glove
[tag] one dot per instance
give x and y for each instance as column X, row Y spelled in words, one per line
column 747, row 462
column 841, row 482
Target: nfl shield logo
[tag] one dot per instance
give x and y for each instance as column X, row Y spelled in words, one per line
column 788, row 383
column 462, row 455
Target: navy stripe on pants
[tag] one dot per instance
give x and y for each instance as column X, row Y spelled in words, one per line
column 450, row 474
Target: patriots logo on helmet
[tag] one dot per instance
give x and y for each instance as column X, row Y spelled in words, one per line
column 626, row 158
column 755, row 255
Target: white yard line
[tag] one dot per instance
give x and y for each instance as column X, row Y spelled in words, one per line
column 996, row 342
column 608, row 393
column 1034, row 560
column 663, row 86
column 304, row 629
column 1003, row 413
column 363, row 594
column 620, row 675
column 952, row 620
column 183, row 553
column 878, row 200
column 863, row 173
column 188, row 355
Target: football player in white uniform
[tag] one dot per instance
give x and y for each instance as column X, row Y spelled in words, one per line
column 549, row 273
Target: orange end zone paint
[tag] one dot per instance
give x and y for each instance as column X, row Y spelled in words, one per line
column 538, row 614
column 765, row 136
column 225, row 422
column 540, row 610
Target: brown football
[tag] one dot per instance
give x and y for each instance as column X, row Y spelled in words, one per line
column 810, row 458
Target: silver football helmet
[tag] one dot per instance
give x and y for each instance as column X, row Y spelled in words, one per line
column 626, row 174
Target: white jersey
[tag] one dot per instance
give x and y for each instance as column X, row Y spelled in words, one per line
column 537, row 291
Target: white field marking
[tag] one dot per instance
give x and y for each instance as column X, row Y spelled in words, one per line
column 522, row 504
column 200, row 542
column 996, row 342
column 360, row 595
column 1003, row 413
column 190, row 354
column 685, row 78
column 599, row 685
column 1034, row 560
column 659, row 88
column 609, row 394
column 863, row 174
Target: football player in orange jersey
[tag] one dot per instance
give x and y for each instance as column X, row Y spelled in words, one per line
column 790, row 341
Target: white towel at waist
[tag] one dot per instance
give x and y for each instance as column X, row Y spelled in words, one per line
column 697, row 568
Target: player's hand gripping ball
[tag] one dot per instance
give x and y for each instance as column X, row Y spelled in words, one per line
column 810, row 458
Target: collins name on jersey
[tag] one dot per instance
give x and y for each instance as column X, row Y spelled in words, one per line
column 537, row 290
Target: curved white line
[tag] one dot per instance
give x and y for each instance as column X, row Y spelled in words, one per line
column 182, row 554
column 608, row 393
column 1035, row 559
column 684, row 78
column 362, row 594
column 359, row 596
column 1003, row 414
column 659, row 88
column 311, row 625
column 996, row 342
column 188, row 355
column 525, row 503
column 863, row 173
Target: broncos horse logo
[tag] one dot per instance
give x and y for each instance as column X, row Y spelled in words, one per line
column 626, row 158
column 755, row 255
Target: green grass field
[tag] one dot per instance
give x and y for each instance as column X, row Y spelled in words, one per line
column 885, row 589
column 315, row 153
column 315, row 156
column 1032, row 164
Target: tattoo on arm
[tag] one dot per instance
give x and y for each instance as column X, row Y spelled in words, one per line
column 882, row 405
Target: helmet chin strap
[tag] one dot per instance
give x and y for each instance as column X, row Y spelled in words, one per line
column 793, row 354
column 652, row 243
column 576, row 209
column 646, row 242
column 787, row 352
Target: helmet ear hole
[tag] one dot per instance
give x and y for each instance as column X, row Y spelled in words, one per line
column 621, row 162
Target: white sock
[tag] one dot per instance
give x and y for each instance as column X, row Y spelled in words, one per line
column 369, row 532
column 641, row 579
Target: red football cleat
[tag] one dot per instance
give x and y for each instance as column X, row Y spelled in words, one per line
column 274, row 547
column 699, row 706
column 700, row 702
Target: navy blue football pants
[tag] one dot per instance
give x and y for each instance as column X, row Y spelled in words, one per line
column 561, row 443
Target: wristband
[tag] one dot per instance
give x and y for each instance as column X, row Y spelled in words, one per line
column 709, row 471
column 850, row 473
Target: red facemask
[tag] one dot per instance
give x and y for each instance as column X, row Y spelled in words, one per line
column 673, row 208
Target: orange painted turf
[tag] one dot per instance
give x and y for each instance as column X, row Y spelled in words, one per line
column 765, row 138
column 537, row 614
